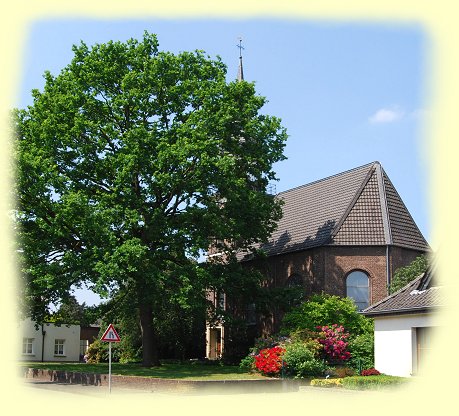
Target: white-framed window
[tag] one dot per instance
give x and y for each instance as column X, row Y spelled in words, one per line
column 358, row 288
column 59, row 347
column 27, row 346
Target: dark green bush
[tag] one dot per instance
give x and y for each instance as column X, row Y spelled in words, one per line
column 361, row 348
column 301, row 361
column 248, row 363
column 373, row 382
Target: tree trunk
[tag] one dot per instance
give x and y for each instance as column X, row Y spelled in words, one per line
column 149, row 346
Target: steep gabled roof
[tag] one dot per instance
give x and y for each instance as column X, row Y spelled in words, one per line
column 357, row 207
column 419, row 295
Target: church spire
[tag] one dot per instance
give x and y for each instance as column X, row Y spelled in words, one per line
column 240, row 72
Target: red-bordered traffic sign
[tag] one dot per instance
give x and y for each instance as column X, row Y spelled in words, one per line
column 110, row 335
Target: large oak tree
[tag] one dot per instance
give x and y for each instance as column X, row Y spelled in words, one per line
column 130, row 162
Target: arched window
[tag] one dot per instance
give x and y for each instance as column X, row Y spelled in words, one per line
column 358, row 288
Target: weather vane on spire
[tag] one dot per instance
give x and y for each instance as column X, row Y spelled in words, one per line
column 240, row 74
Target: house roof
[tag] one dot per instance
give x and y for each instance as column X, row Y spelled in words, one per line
column 419, row 295
column 357, row 207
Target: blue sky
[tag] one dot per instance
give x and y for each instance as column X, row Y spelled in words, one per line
column 347, row 93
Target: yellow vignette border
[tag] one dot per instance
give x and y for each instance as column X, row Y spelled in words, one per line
column 442, row 91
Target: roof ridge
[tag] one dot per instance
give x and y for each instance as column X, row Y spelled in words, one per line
column 385, row 177
column 354, row 200
column 384, row 206
column 330, row 177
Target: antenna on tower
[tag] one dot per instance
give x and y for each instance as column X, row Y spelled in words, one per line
column 240, row 73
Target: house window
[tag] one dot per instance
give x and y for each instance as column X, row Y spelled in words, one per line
column 27, row 346
column 59, row 346
column 358, row 289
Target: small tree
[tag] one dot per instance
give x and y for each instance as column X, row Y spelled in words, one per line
column 405, row 275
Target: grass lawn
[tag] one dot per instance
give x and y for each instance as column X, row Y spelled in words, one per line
column 188, row 371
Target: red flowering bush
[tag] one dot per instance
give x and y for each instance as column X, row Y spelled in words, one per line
column 333, row 338
column 269, row 360
column 370, row 372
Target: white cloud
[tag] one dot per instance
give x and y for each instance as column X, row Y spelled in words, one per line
column 387, row 115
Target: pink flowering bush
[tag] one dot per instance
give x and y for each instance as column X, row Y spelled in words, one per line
column 333, row 339
column 269, row 361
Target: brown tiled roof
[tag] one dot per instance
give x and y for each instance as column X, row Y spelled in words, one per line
column 419, row 295
column 356, row 207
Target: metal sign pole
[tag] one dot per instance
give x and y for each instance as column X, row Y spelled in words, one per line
column 110, row 335
column 109, row 367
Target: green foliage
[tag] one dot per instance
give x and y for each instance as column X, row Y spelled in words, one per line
column 248, row 363
column 325, row 309
column 71, row 312
column 361, row 348
column 302, row 361
column 129, row 163
column 126, row 351
column 373, row 382
column 97, row 352
column 309, row 339
column 405, row 275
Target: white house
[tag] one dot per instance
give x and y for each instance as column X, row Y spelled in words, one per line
column 405, row 323
column 49, row 342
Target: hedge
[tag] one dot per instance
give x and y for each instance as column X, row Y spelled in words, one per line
column 372, row 382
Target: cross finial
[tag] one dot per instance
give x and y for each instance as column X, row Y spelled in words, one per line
column 240, row 46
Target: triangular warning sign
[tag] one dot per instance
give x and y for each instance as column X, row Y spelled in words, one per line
column 110, row 335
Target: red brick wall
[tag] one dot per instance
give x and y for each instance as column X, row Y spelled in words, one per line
column 326, row 268
column 340, row 261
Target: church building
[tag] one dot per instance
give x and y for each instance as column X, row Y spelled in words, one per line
column 344, row 235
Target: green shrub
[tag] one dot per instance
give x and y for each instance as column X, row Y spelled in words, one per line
column 324, row 309
column 97, row 352
column 373, row 382
column 301, row 362
column 248, row 363
column 327, row 382
column 361, row 348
